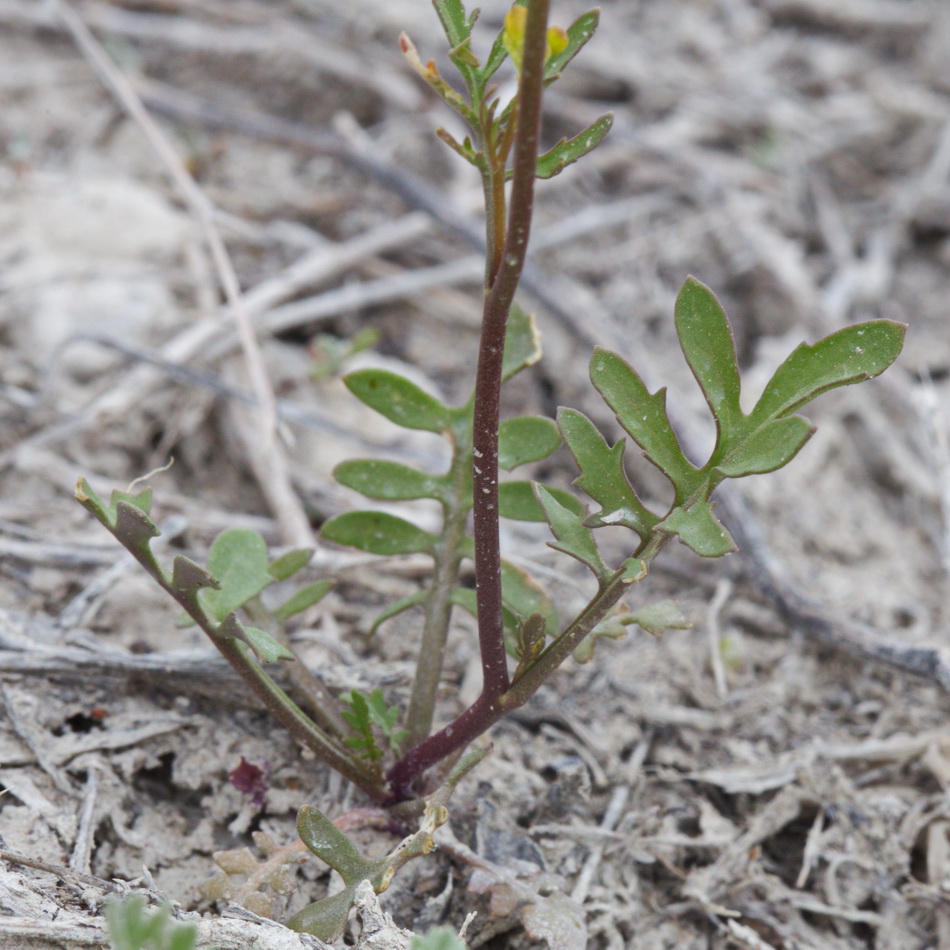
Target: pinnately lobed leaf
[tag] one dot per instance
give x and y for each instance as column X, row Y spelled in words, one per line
column 643, row 416
column 747, row 444
column 602, row 475
column 572, row 537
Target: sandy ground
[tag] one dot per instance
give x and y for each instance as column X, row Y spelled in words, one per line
column 775, row 777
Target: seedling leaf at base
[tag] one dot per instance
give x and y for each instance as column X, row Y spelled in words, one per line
column 437, row 938
column 326, row 919
column 132, row 927
column 238, row 561
column 304, row 598
column 290, row 563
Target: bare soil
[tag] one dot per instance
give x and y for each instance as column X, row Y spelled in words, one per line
column 775, row 777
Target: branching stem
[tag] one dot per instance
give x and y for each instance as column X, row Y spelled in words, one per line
column 489, row 708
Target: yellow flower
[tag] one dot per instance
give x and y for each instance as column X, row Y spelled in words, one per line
column 513, row 36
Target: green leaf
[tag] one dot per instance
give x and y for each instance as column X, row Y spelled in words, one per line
column 187, row 575
column 183, row 937
column 849, row 356
column 399, row 400
column 572, row 537
column 526, row 439
column 106, row 514
column 644, row 417
column 457, row 26
column 496, row 57
column 524, row 596
column 437, row 938
column 401, row 605
column 464, row 597
column 265, row 646
column 706, row 340
column 304, row 598
column 385, row 718
column 331, row 846
column 133, row 527
column 657, row 617
column 699, row 529
column 290, row 563
column 568, row 151
column 390, row 481
column 522, row 343
column 325, row 919
column 464, row 149
column 378, row 533
column 634, row 569
column 132, row 927
column 603, row 476
column 358, row 716
column 366, row 712
column 768, row 448
column 578, row 33
column 238, row 560
column 517, row 501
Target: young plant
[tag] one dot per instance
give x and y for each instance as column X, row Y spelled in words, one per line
column 521, row 639
column 132, row 927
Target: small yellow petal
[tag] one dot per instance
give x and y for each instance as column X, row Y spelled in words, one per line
column 513, row 36
column 557, row 41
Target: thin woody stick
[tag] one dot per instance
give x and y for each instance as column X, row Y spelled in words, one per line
column 267, row 461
